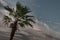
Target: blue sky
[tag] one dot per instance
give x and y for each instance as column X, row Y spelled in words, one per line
column 47, row 10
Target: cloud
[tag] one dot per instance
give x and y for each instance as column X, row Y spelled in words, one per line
column 44, row 28
column 3, row 2
column 39, row 30
column 2, row 11
column 49, row 22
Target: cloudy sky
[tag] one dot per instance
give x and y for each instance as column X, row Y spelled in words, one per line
column 45, row 10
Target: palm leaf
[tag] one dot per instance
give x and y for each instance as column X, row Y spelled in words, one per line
column 31, row 20
column 25, row 10
column 27, row 17
column 6, row 19
column 21, row 25
column 18, row 9
column 18, row 6
column 8, row 8
column 21, row 10
column 27, row 23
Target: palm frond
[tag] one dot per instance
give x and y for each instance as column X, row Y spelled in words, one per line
column 25, row 10
column 21, row 10
column 6, row 19
column 18, row 6
column 31, row 20
column 27, row 23
column 8, row 8
column 27, row 16
column 21, row 25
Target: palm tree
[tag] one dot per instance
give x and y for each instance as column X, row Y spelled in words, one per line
column 20, row 16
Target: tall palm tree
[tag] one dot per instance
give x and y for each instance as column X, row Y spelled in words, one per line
column 20, row 16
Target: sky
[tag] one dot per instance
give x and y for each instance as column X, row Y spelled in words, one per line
column 45, row 10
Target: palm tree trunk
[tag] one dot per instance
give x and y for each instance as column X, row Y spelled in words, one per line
column 12, row 34
column 14, row 28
